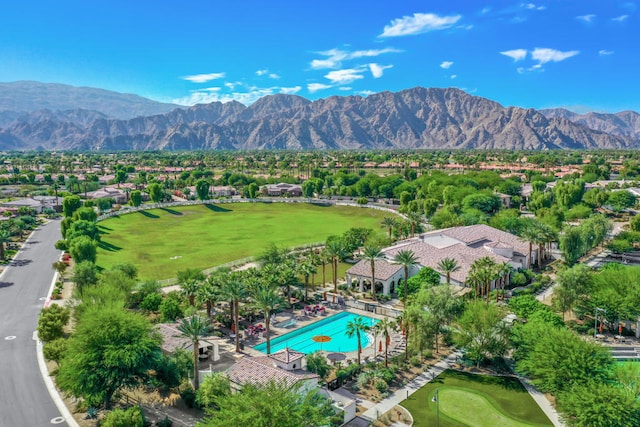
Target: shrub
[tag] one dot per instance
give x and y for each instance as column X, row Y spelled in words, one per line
column 151, row 302
column 380, row 385
column 415, row 361
column 52, row 321
column 165, row 423
column 132, row 417
column 188, row 395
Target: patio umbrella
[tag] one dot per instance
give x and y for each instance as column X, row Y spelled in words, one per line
column 620, row 328
column 334, row 357
column 600, row 327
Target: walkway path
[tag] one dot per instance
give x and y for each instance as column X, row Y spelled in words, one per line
column 411, row 387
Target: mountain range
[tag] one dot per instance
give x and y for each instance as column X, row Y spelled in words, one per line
column 57, row 117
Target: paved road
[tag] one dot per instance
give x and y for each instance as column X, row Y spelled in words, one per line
column 24, row 399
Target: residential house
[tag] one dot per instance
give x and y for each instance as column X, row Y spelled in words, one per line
column 282, row 189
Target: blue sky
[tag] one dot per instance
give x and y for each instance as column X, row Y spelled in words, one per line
column 578, row 54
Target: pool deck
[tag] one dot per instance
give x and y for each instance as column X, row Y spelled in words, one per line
column 304, row 320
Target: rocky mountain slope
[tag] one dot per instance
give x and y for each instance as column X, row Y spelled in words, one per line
column 413, row 118
column 624, row 123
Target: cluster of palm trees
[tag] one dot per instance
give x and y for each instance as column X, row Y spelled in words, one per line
column 383, row 327
column 538, row 233
column 486, row 271
column 396, row 227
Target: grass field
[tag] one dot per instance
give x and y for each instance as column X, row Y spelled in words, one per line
column 475, row 400
column 161, row 242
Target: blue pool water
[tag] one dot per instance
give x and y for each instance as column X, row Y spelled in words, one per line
column 333, row 327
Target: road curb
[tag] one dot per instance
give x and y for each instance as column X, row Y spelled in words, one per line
column 48, row 381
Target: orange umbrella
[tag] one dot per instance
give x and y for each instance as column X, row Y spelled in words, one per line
column 620, row 328
column 600, row 327
column 233, row 328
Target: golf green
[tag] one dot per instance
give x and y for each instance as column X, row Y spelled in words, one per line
column 474, row 400
column 161, row 242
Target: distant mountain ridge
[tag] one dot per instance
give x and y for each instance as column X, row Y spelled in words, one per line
column 428, row 118
column 29, row 96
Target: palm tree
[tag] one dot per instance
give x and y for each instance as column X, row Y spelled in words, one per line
column 389, row 223
column 307, row 269
column 414, row 219
column 194, row 328
column 406, row 258
column 448, row 266
column 190, row 280
column 504, row 270
column 336, row 251
column 384, row 327
column 267, row 300
column 372, row 254
column 483, row 271
column 529, row 234
column 234, row 290
column 354, row 328
column 207, row 294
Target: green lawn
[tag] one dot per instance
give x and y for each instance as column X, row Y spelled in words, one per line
column 163, row 241
column 475, row 400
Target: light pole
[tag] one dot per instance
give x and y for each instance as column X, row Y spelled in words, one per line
column 595, row 326
column 437, row 402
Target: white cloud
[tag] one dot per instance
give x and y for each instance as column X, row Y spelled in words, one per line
column 346, row 76
column 261, row 72
column 531, row 6
column 446, row 64
column 544, row 55
column 334, row 57
column 345, row 88
column 586, row 18
column 290, row 90
column 377, row 70
column 604, row 52
column 418, row 23
column 274, row 76
column 247, row 98
column 211, row 89
column 515, row 54
column 453, row 76
column 620, row 18
column 232, row 85
column 314, row 87
column 365, row 93
column 203, row 78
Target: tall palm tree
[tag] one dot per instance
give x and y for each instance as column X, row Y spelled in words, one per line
column 336, row 251
column 448, row 266
column 504, row 270
column 194, row 328
column 306, row 269
column 483, row 271
column 208, row 294
column 372, row 253
column 389, row 223
column 266, row 299
column 354, row 328
column 407, row 259
column 384, row 327
column 529, row 234
column 234, row 289
column 415, row 220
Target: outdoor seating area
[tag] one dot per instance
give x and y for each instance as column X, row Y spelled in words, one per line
column 314, row 310
column 254, row 331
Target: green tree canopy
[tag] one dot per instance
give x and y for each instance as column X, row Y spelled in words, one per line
column 270, row 405
column 110, row 350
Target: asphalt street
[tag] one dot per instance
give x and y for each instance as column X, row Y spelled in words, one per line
column 24, row 399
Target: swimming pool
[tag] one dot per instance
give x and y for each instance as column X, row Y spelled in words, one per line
column 332, row 329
